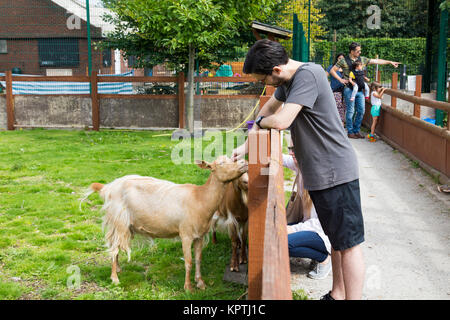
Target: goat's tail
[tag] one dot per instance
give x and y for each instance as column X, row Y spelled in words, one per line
column 117, row 224
column 116, row 221
column 95, row 187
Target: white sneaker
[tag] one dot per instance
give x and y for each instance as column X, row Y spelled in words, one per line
column 321, row 271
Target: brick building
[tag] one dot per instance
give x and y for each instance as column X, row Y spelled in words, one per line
column 49, row 37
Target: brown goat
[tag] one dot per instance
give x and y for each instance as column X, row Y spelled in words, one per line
column 162, row 209
column 233, row 214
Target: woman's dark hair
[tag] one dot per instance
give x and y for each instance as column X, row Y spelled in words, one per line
column 353, row 46
column 337, row 57
column 263, row 56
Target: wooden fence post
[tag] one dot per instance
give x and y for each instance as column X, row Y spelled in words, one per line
column 394, row 86
column 95, row 102
column 276, row 270
column 181, row 97
column 259, row 150
column 418, row 93
column 9, row 101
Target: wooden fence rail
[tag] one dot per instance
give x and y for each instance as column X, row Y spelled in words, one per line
column 94, row 79
column 268, row 269
column 422, row 141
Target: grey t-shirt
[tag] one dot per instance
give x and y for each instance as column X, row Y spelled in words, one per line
column 323, row 151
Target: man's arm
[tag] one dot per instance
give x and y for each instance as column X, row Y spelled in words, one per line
column 383, row 62
column 269, row 108
column 283, row 119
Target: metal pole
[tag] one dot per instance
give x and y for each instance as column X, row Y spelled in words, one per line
column 88, row 21
column 442, row 68
column 309, row 30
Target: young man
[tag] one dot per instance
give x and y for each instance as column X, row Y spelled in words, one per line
column 354, row 125
column 323, row 151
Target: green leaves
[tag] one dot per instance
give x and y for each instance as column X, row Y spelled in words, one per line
column 155, row 30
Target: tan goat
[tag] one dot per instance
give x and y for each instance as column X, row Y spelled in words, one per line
column 162, row 209
column 233, row 214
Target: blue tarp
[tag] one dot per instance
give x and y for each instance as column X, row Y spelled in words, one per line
column 58, row 87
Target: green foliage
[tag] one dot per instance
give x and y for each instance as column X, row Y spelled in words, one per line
column 445, row 5
column 407, row 51
column 158, row 31
column 399, row 19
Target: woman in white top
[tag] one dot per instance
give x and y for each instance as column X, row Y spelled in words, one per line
column 306, row 238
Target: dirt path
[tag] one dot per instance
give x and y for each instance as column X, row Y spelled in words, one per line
column 407, row 230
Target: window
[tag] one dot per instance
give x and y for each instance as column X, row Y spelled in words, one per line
column 58, row 52
column 3, row 47
column 107, row 57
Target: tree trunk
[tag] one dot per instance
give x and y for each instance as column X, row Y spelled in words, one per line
column 190, row 97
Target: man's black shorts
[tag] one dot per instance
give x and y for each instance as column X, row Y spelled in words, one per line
column 339, row 212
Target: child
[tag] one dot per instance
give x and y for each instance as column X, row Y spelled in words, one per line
column 375, row 99
column 357, row 78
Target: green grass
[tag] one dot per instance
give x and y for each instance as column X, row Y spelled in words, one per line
column 43, row 235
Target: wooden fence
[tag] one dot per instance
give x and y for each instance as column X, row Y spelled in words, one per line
column 94, row 79
column 418, row 139
column 268, row 269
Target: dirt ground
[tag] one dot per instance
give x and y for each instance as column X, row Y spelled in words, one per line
column 407, row 230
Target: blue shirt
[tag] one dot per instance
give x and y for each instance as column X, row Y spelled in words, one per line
column 335, row 84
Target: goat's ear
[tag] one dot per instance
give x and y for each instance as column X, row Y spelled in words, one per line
column 203, row 164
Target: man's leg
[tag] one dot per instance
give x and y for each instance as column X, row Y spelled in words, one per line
column 338, row 289
column 359, row 106
column 353, row 270
column 350, row 105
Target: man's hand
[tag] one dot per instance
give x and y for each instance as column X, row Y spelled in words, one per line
column 395, row 64
column 239, row 152
column 343, row 81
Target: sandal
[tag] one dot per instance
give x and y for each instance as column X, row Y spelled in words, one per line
column 444, row 188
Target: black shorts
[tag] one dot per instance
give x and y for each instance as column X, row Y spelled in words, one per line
column 339, row 212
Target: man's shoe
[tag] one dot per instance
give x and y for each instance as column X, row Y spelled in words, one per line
column 352, row 136
column 359, row 135
column 327, row 297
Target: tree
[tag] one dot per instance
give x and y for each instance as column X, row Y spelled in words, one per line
column 399, row 19
column 176, row 29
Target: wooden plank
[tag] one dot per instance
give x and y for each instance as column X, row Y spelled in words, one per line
column 418, row 93
column 441, row 105
column 225, row 79
column 394, row 87
column 138, row 96
column 95, row 103
column 181, row 101
column 276, row 271
column 52, row 78
column 137, row 79
column 9, row 101
column 257, row 206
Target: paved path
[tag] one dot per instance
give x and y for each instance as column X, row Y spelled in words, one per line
column 407, row 230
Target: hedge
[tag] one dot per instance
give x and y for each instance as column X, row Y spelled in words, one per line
column 407, row 51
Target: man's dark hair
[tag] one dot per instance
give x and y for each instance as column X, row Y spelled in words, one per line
column 353, row 46
column 263, row 56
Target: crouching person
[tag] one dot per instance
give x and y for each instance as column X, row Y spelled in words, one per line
column 306, row 238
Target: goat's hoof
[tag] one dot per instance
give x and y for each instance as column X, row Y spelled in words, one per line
column 188, row 287
column 242, row 261
column 234, row 269
column 115, row 280
column 201, row 284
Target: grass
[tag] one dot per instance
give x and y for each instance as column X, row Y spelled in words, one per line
column 51, row 250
